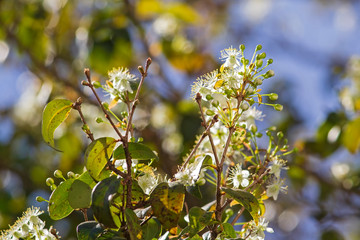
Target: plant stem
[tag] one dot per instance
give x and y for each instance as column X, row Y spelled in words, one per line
column 77, row 106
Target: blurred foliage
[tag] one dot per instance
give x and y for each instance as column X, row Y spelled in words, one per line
column 52, row 41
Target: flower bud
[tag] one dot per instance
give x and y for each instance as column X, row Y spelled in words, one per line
column 251, row 101
column 96, row 84
column 270, row 61
column 258, row 47
column 253, row 128
column 242, row 47
column 53, row 187
column 99, row 120
column 40, row 199
column 273, row 96
column 209, row 97
column 244, row 106
column 105, row 105
column 263, row 55
column 215, row 103
column 258, row 81
column 49, row 181
column 272, row 128
column 269, row 74
column 280, row 134
column 258, row 135
column 71, row 174
column 278, row 107
column 259, row 63
column 210, row 112
column 58, row 174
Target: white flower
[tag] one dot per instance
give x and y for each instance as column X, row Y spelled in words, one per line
column 277, row 165
column 205, row 84
column 147, row 182
column 232, row 78
column 249, row 116
column 239, row 177
column 231, row 57
column 119, row 82
column 275, row 187
column 190, row 174
column 256, row 230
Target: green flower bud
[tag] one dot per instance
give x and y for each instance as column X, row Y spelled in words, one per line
column 209, row 97
column 258, row 135
column 278, row 107
column 229, row 212
column 140, row 139
column 215, row 103
column 77, row 175
column 280, row 134
column 270, row 61
column 210, row 112
column 244, row 106
column 40, row 199
column 105, row 105
column 124, row 114
column 263, row 55
column 49, row 181
column 258, row 81
column 253, row 128
column 269, row 74
column 70, row 174
column 247, row 61
column 242, row 47
column 268, row 133
column 96, row 84
column 53, row 187
column 251, row 101
column 85, row 127
column 99, row 120
column 273, row 96
column 201, row 181
column 259, row 63
column 272, row 128
column 58, row 174
column 258, row 47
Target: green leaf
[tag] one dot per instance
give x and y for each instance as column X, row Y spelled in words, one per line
column 198, row 220
column 351, row 137
column 229, row 230
column 86, row 178
column 101, row 204
column 167, row 202
column 97, row 154
column 132, row 221
column 246, row 199
column 88, row 230
column 54, row 114
column 151, row 229
column 79, row 195
column 194, row 190
column 59, row 206
column 137, row 151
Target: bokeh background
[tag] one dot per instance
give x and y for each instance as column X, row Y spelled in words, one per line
column 315, row 44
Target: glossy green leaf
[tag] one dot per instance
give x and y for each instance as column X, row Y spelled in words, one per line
column 54, row 114
column 59, row 206
column 137, row 151
column 79, row 195
column 229, row 230
column 86, row 178
column 246, row 199
column 198, row 220
column 351, row 137
column 167, row 201
column 132, row 221
column 97, row 154
column 88, row 230
column 151, row 229
column 101, row 203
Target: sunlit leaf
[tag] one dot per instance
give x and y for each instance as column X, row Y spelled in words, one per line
column 229, row 230
column 151, row 229
column 97, row 154
column 59, row 206
column 137, row 151
column 167, row 202
column 54, row 114
column 351, row 137
column 198, row 220
column 246, row 199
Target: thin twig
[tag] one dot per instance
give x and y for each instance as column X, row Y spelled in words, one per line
column 238, row 215
column 77, row 106
column 204, row 134
column 198, row 100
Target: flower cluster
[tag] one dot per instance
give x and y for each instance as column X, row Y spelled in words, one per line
column 29, row 226
column 119, row 83
column 255, row 230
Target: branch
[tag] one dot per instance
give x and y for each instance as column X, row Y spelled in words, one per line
column 77, row 106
